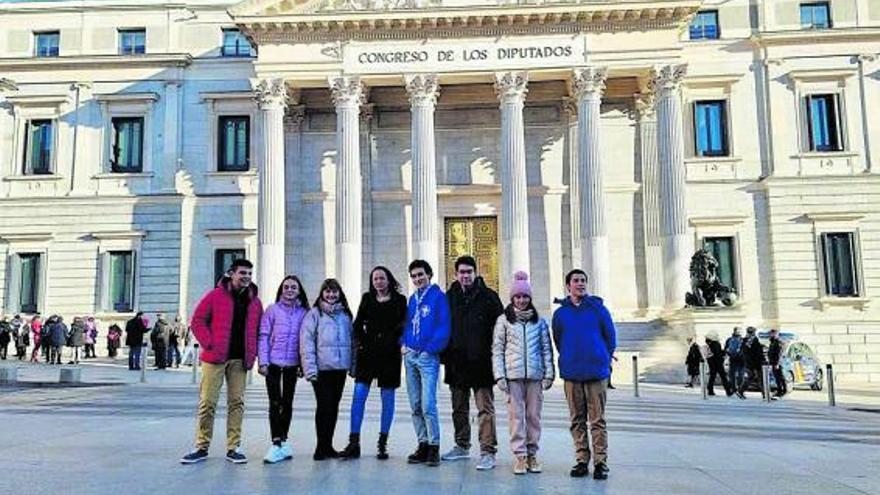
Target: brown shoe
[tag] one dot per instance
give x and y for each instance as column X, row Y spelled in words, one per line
column 533, row 465
column 519, row 466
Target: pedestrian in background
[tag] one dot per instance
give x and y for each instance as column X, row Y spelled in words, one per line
column 91, row 337
column 36, row 333
column 692, row 362
column 226, row 322
column 715, row 360
column 59, row 333
column 585, row 340
column 376, row 334
column 21, row 330
column 5, row 336
column 159, row 337
column 114, row 338
column 522, row 357
column 279, row 361
column 753, row 354
column 76, row 339
column 325, row 348
column 733, row 348
column 134, row 339
column 175, row 336
column 473, row 310
column 774, row 359
column 425, row 336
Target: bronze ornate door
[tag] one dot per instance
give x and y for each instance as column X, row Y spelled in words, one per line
column 476, row 236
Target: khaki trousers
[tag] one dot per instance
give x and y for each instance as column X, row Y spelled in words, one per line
column 213, row 375
column 586, row 407
column 524, row 401
column 484, row 399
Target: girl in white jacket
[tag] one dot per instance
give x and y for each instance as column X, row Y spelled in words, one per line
column 522, row 361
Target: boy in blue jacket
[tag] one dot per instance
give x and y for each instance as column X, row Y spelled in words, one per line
column 585, row 340
column 424, row 338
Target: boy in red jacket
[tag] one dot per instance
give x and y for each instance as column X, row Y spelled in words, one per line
column 225, row 323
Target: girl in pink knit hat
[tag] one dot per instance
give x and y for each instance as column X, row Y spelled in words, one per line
column 522, row 361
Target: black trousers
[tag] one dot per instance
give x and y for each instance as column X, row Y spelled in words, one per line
column 160, row 353
column 328, row 392
column 752, row 373
column 781, row 386
column 281, row 385
column 3, row 350
column 717, row 371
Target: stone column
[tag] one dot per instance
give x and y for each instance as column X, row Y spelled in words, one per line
column 272, row 97
column 588, row 84
column 348, row 95
column 647, row 132
column 423, row 91
column 673, row 208
column 511, row 90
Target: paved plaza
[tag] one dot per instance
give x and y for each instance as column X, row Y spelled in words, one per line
column 114, row 435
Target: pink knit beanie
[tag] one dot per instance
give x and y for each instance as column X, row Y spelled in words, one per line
column 520, row 284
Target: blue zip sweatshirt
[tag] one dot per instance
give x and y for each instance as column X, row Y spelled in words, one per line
column 585, row 339
column 427, row 330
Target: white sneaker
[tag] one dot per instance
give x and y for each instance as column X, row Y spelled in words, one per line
column 487, row 462
column 456, row 453
column 287, row 449
column 274, row 454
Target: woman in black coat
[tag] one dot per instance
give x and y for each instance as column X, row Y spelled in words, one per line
column 693, row 360
column 378, row 327
column 716, row 365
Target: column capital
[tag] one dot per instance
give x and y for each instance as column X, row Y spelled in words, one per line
column 569, row 107
column 347, row 91
column 667, row 77
column 643, row 105
column 270, row 92
column 511, row 87
column 422, row 89
column 588, row 81
column 295, row 116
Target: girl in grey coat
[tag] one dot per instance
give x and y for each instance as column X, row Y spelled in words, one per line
column 522, row 361
column 325, row 352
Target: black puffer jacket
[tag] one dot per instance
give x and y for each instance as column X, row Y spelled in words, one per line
column 468, row 357
column 375, row 335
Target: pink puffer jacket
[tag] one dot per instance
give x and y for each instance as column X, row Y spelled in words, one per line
column 212, row 324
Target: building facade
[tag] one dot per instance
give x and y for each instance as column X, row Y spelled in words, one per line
column 143, row 145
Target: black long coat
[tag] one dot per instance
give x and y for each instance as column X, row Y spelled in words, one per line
column 693, row 360
column 376, row 334
column 468, row 357
column 134, row 332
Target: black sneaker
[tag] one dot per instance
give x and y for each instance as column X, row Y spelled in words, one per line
column 420, row 455
column 235, row 456
column 195, row 456
column 433, row 457
column 580, row 470
column 600, row 471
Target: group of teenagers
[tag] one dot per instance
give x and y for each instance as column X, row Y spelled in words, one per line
column 481, row 342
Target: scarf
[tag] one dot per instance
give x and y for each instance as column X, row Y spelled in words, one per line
column 523, row 316
column 330, row 309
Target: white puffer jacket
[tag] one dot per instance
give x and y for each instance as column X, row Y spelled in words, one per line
column 522, row 350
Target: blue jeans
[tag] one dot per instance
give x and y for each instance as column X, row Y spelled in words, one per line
column 359, row 402
column 134, row 357
column 173, row 355
column 422, row 370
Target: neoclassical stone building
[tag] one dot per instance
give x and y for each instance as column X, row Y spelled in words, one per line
column 143, row 145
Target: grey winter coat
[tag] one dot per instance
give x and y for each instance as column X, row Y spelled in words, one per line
column 522, row 351
column 325, row 342
column 77, row 335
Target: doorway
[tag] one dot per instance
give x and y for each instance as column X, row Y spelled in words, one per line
column 476, row 236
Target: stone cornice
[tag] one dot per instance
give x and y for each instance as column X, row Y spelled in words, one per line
column 95, row 61
column 800, row 36
column 441, row 22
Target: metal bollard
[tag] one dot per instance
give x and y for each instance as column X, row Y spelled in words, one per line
column 250, row 376
column 195, row 363
column 829, row 381
column 703, row 380
column 635, row 375
column 765, row 381
column 144, row 353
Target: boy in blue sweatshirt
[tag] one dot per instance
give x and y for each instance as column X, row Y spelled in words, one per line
column 424, row 338
column 585, row 340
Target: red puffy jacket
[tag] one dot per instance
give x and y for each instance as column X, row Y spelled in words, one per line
column 212, row 324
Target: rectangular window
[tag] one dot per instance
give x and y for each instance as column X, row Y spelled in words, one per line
column 234, row 144
column 46, row 44
column 841, row 277
column 823, row 123
column 122, row 281
column 710, row 128
column 815, row 15
column 128, row 144
column 132, row 41
column 235, row 44
column 29, row 288
column 38, row 147
column 705, row 26
column 223, row 259
column 722, row 249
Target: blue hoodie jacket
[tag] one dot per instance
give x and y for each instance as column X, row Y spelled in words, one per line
column 431, row 333
column 585, row 339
